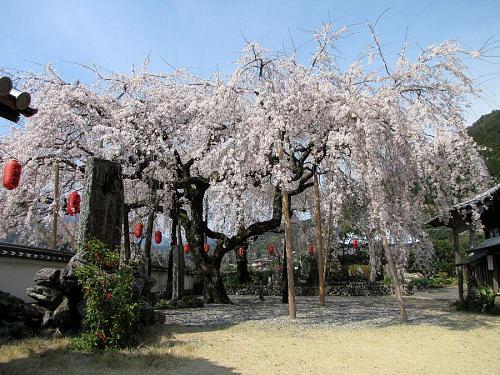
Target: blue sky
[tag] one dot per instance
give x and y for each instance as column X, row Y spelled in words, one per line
column 207, row 35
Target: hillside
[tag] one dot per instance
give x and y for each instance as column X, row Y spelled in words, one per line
column 486, row 133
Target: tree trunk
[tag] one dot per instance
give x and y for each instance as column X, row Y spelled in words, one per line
column 214, row 290
column 319, row 240
column 394, row 276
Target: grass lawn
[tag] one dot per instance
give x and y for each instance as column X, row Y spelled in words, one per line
column 464, row 344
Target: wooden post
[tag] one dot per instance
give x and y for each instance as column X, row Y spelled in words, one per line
column 178, row 260
column 289, row 257
column 459, row 271
column 328, row 240
column 284, row 279
column 319, row 235
column 472, row 238
column 394, row 276
column 149, row 231
column 126, row 234
column 55, row 207
column 288, row 239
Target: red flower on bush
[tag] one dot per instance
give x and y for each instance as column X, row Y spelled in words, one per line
column 109, row 295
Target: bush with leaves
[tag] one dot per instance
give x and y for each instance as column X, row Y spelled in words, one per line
column 111, row 312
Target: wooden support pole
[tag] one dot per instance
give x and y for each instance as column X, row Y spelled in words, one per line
column 288, row 239
column 55, row 207
column 149, row 235
column 319, row 240
column 289, row 257
column 328, row 239
column 126, row 234
column 394, row 276
column 459, row 271
column 178, row 261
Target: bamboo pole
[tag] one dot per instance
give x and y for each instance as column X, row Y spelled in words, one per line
column 319, row 240
column 55, row 207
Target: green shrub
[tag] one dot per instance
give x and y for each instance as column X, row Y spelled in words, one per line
column 111, row 312
column 481, row 300
column 162, row 304
column 485, row 298
column 439, row 281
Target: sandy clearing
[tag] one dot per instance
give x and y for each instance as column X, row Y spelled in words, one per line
column 424, row 349
column 350, row 336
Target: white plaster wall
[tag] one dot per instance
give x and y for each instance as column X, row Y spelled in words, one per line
column 17, row 274
column 161, row 278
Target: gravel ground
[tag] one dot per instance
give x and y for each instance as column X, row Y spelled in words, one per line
column 352, row 312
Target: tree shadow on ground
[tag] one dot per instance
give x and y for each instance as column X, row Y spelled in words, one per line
column 157, row 355
column 341, row 312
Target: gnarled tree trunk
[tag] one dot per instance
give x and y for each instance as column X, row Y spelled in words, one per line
column 214, row 290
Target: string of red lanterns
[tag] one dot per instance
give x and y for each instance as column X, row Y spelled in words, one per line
column 158, row 236
column 73, row 203
column 187, row 248
column 355, row 244
column 311, row 249
column 12, row 174
column 138, row 230
column 271, row 249
column 206, row 248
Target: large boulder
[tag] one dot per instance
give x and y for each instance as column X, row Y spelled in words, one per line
column 48, row 277
column 68, row 279
column 149, row 283
column 63, row 317
column 17, row 318
column 45, row 296
column 146, row 314
column 137, row 287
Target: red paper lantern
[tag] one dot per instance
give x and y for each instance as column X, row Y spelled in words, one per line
column 73, row 203
column 138, row 230
column 187, row 248
column 355, row 244
column 12, row 174
column 158, row 236
column 206, row 248
column 270, row 249
column 311, row 250
column 241, row 251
